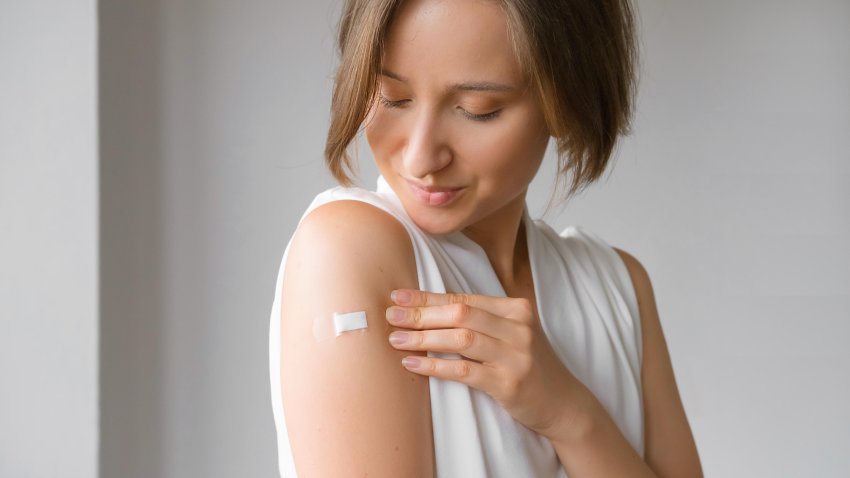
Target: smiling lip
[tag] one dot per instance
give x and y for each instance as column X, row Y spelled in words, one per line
column 434, row 195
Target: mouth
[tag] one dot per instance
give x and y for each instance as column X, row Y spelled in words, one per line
column 434, row 195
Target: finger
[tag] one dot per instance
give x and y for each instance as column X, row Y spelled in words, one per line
column 475, row 375
column 468, row 343
column 508, row 307
column 448, row 316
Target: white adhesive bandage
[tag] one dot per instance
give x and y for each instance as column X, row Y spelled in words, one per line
column 349, row 321
column 326, row 328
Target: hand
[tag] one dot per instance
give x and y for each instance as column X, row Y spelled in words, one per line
column 511, row 358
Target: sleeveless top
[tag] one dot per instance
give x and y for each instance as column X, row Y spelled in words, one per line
column 587, row 307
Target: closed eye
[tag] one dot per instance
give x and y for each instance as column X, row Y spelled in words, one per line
column 475, row 117
column 482, row 117
column 391, row 104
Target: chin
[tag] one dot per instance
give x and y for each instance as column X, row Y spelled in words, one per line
column 435, row 223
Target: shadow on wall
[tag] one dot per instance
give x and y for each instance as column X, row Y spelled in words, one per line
column 132, row 366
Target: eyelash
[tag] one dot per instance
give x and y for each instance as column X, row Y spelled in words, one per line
column 481, row 118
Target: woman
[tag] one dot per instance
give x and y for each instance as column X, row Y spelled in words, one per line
column 533, row 353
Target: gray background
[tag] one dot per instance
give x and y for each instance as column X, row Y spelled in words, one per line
column 48, row 239
column 134, row 314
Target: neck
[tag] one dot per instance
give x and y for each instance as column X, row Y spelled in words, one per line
column 502, row 237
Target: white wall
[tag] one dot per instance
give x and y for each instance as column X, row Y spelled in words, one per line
column 733, row 192
column 213, row 115
column 48, row 239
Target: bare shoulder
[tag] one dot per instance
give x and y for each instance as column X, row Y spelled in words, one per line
column 647, row 309
column 359, row 219
column 638, row 274
column 670, row 449
column 351, row 409
column 347, row 241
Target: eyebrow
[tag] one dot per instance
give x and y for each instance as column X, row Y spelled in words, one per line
column 464, row 86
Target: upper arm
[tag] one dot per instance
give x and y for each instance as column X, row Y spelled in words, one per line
column 670, row 449
column 350, row 407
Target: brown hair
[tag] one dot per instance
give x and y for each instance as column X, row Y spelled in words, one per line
column 579, row 56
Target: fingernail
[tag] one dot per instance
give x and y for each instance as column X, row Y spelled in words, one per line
column 410, row 362
column 398, row 338
column 400, row 296
column 395, row 315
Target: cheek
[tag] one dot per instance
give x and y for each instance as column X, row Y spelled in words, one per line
column 379, row 133
column 509, row 153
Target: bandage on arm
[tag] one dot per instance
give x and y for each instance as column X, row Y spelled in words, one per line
column 327, row 328
column 349, row 405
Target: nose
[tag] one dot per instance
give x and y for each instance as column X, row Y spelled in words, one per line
column 426, row 151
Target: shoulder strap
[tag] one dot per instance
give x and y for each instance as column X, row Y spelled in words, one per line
column 607, row 260
column 597, row 259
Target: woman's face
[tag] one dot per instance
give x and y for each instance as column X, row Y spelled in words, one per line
column 486, row 136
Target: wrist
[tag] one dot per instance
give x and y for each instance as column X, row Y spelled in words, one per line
column 576, row 416
column 576, row 419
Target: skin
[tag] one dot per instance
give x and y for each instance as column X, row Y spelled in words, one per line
column 349, row 406
column 430, row 138
column 338, row 426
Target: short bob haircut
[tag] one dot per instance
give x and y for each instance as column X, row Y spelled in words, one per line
column 579, row 56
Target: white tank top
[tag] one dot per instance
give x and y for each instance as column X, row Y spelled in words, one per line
column 588, row 310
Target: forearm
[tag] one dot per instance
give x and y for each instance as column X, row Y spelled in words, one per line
column 591, row 445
